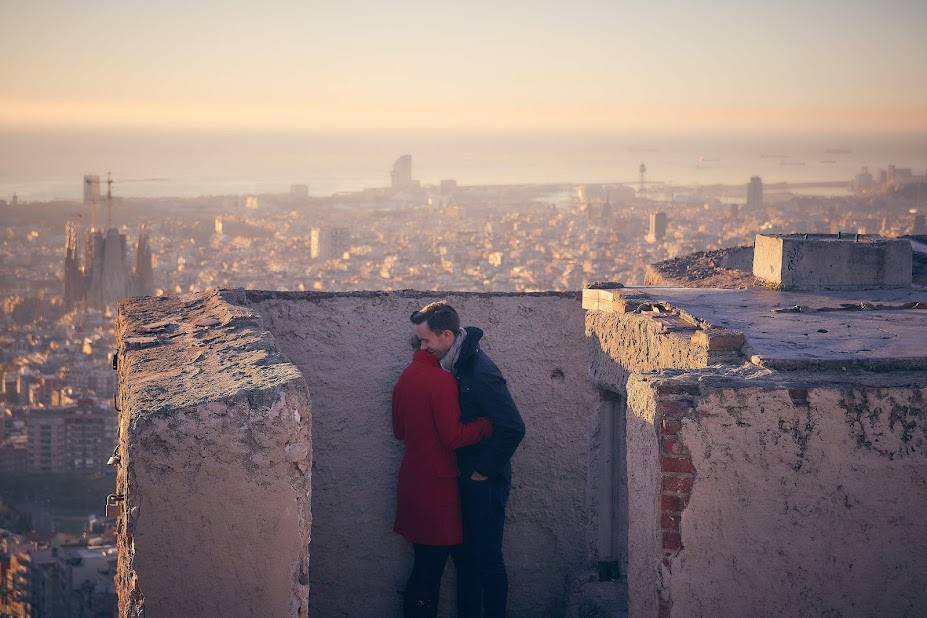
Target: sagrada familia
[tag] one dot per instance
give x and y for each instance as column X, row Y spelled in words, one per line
column 101, row 274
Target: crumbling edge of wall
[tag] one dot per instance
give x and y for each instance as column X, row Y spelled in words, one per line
column 207, row 402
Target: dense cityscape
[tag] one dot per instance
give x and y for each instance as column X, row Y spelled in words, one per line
column 64, row 265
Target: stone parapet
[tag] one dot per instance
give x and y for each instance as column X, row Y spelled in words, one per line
column 629, row 330
column 215, row 463
column 656, row 328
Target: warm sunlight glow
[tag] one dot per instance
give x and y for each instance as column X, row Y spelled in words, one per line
column 658, row 120
column 715, row 66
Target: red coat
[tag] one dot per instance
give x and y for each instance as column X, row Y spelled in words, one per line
column 426, row 415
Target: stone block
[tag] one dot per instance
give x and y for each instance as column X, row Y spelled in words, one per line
column 832, row 262
column 719, row 340
column 615, row 299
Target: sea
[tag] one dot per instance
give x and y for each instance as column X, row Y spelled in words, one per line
column 45, row 165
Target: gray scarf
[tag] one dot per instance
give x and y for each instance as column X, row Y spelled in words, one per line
column 450, row 357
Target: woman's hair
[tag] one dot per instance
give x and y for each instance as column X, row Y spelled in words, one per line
column 439, row 316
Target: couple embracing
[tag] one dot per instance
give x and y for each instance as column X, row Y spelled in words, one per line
column 453, row 411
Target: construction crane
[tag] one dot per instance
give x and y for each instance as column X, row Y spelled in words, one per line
column 89, row 180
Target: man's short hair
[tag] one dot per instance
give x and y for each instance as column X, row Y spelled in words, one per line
column 439, row 316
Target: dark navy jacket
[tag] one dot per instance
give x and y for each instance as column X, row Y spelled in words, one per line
column 483, row 392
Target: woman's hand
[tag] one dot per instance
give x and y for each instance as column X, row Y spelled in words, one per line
column 486, row 427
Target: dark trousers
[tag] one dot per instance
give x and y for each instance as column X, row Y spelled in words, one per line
column 482, row 583
column 424, row 586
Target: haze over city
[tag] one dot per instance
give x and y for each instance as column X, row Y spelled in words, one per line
column 487, row 93
column 513, row 147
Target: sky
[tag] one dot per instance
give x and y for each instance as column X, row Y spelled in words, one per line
column 714, row 66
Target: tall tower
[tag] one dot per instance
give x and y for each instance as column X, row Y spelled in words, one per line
column 143, row 271
column 402, row 172
column 107, row 274
column 657, row 226
column 115, row 277
column 643, row 171
column 109, row 200
column 92, row 197
column 755, row 193
column 73, row 278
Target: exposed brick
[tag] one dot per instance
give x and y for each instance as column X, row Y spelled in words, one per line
column 663, row 389
column 672, row 541
column 664, row 611
column 676, row 464
column 672, row 446
column 670, row 426
column 670, row 521
column 673, row 503
column 676, row 483
column 671, row 408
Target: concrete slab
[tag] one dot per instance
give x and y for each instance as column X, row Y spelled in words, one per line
column 795, row 330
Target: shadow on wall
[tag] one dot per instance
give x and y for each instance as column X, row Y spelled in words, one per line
column 351, row 348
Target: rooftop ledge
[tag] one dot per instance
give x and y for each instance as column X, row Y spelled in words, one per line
column 875, row 330
column 202, row 342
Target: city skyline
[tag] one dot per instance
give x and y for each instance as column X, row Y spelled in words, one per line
column 716, row 67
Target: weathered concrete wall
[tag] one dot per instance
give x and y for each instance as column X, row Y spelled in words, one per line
column 778, row 495
column 215, row 463
column 760, row 492
column 351, row 349
column 851, row 262
column 630, row 331
column 644, row 495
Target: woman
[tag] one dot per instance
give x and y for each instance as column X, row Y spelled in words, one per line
column 426, row 416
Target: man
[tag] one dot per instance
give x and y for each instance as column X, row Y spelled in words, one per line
column 485, row 468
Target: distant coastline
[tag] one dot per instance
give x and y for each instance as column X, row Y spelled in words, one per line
column 47, row 165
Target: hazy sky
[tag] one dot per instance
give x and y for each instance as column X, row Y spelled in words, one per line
column 726, row 66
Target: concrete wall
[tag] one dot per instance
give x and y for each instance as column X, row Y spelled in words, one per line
column 743, row 490
column 752, row 491
column 852, row 262
column 351, row 348
column 215, row 457
column 624, row 341
column 777, row 498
